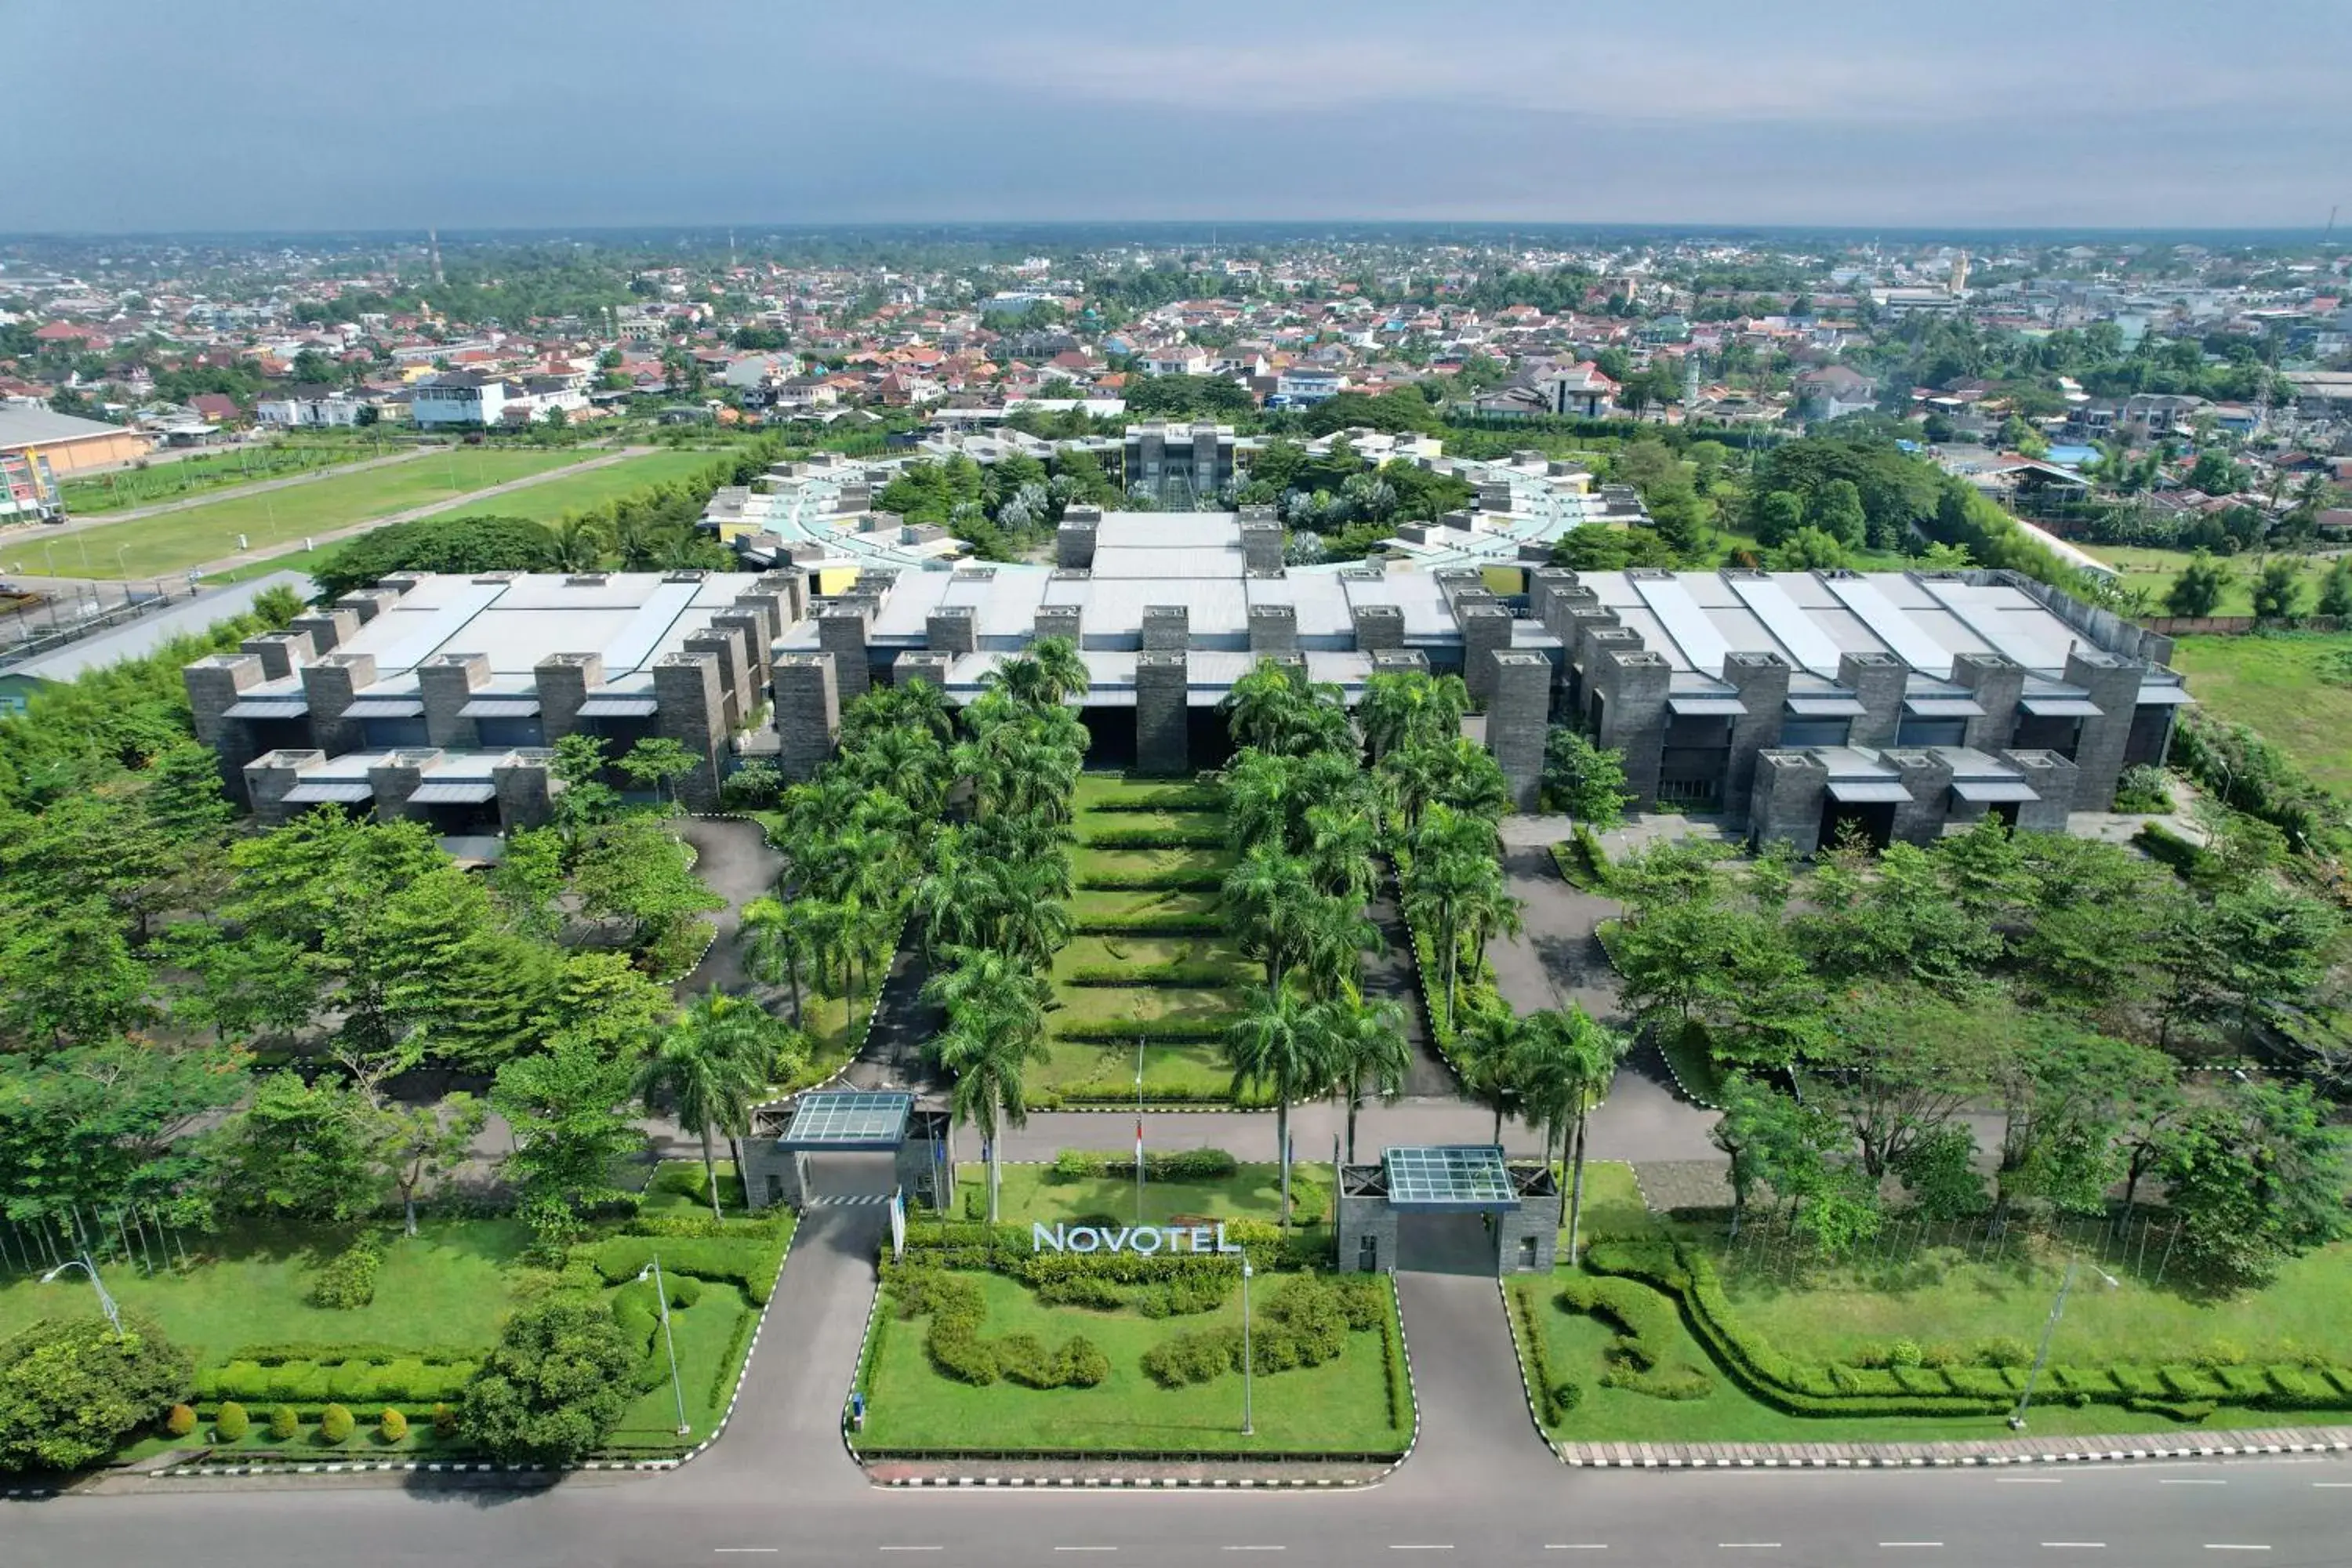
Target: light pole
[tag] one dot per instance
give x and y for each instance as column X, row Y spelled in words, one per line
column 661, row 1295
column 1138, row 1130
column 1249, row 1427
column 2057, row 1310
column 105, row 1300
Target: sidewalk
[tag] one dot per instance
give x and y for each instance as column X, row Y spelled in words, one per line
column 2021, row 1450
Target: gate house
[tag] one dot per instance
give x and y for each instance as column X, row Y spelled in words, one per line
column 1462, row 1179
column 849, row 1121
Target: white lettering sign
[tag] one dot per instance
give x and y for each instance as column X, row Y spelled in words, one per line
column 1142, row 1240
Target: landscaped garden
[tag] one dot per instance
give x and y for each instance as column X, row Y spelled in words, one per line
column 984, row 1346
column 1676, row 1332
column 1083, row 1186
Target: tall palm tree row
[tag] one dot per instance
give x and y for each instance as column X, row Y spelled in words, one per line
column 1453, row 888
column 1561, row 1068
column 711, row 1065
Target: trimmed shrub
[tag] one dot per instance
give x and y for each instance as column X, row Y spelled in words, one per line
column 445, row 1421
column 1212, row 837
column 1197, row 1357
column 284, row 1424
column 1167, row 879
column 750, row 1262
column 232, row 1424
column 2005, row 1350
column 1174, row 797
column 1142, row 976
column 1123, row 1031
column 335, row 1425
column 1084, row 1291
column 393, row 1426
column 2183, row 1410
column 1174, row 1165
column 1904, row 1352
column 181, row 1421
column 349, row 1282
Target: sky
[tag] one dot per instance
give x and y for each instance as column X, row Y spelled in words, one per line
column 162, row 115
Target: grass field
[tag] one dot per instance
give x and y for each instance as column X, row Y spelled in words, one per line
column 2278, row 684
column 578, row 492
column 1140, row 908
column 2154, row 570
column 709, row 1352
column 450, row 1285
column 155, row 483
column 1254, row 1192
column 1341, row 1406
column 174, row 541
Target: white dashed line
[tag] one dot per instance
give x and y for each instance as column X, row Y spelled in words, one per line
column 2028, row 1482
column 2187, row 1482
column 1575, row 1546
column 1086, row 1549
column 2232, row 1546
column 1747, row 1546
column 1890, row 1545
column 906, row 1549
column 766, row 1549
column 2074, row 1545
column 2333, row 1486
column 1254, row 1548
column 1418, row 1546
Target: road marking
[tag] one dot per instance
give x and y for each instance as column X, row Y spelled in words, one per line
column 766, row 1549
column 2332, row 1486
column 1409, row 1546
column 1086, row 1549
column 1255, row 1549
column 1575, row 1546
column 2232, row 1546
column 2186, row 1481
column 2028, row 1482
column 1895, row 1544
column 2074, row 1546
column 1747, row 1546
column 906, row 1549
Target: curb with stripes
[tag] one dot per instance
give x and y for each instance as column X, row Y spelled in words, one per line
column 1162, row 1483
column 458, row 1468
column 15, row 1493
column 1933, row 1459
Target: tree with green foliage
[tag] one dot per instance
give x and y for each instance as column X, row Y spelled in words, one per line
column 656, row 763
column 1586, row 781
column 1368, row 1054
column 304, row 1149
column 1771, row 1139
column 71, row 1389
column 568, row 1107
column 1411, row 708
column 1778, row 518
column 466, row 545
column 1282, row 1047
column 2278, row 590
column 1903, row 1063
column 2198, row 591
column 1810, row 548
column 1565, row 1064
column 555, row 1387
column 2254, row 1180
column 995, row 1031
column 710, row 1068
column 1455, row 889
column 418, row 1143
column 634, row 870
column 2335, row 590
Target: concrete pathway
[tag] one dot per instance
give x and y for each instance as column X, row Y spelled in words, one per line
column 1465, row 1373
column 734, row 860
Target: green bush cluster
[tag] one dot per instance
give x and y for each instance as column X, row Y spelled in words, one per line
column 1198, row 1356
column 1174, row 797
column 956, row 1308
column 1201, row 976
column 637, row 1310
column 231, row 1423
column 1802, row 1388
column 1306, row 1322
column 284, row 1425
column 2191, row 862
column 1169, row 922
column 1212, row 837
column 348, row 1282
column 335, row 1425
column 2140, row 790
column 1645, row 1322
column 393, row 1426
column 410, row 1378
column 1543, row 1382
column 751, row 1262
column 1005, row 1250
column 1171, row 1166
column 1582, row 862
column 1169, row 879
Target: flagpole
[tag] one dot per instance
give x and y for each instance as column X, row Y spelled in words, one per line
column 1138, row 1131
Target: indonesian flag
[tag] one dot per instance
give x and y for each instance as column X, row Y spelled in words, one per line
column 1139, row 1139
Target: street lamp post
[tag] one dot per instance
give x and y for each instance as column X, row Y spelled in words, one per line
column 661, row 1295
column 1249, row 1426
column 105, row 1298
column 2042, row 1355
column 1138, row 1130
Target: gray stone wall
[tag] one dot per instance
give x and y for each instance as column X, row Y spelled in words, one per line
column 329, row 630
column 1762, row 679
column 1167, row 627
column 1485, row 631
column 747, row 627
column 1785, row 806
column 394, row 779
column 771, row 1176
column 1996, row 682
column 1163, row 687
column 1262, row 546
column 564, row 681
column 367, row 604
column 280, row 653
column 1074, row 542
column 808, row 712
column 264, row 782
column 214, row 685
column 2114, row 685
column 1360, row 1217
column 1536, row 1219
column 1378, row 627
column 1273, row 630
column 331, row 686
column 2053, row 778
column 526, row 790
column 692, row 712
column 728, row 654
column 1877, row 680
column 1519, row 717
column 841, row 632
column 951, row 628
column 922, row 664
column 1928, row 777
column 446, row 682
column 1632, row 683
column 1058, row 621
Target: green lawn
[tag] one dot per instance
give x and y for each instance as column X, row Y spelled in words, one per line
column 153, row 484
column 174, row 541
column 2277, row 684
column 578, row 492
column 1076, row 1072
column 2154, row 570
column 710, row 1350
column 1253, row 1192
column 450, row 1285
column 1613, row 1209
column 1341, row 1406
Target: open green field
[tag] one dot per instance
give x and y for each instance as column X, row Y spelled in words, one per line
column 2295, row 687
column 578, row 492
column 174, row 541
column 1940, row 1300
column 1149, row 948
column 151, row 484
column 450, row 1285
column 1254, row 1192
column 1341, row 1406
column 2154, row 570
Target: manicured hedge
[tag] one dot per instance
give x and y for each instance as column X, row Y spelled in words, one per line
column 1187, row 975
column 1172, row 879
column 1171, row 1165
column 750, row 1263
column 407, row 1380
column 956, row 1309
column 1211, row 837
column 1162, row 924
column 1804, row 1388
column 1123, row 1031
column 1175, row 797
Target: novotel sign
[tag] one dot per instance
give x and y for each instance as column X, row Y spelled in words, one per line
column 1143, row 1239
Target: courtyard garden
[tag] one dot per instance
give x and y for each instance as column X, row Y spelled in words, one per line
column 984, row 1346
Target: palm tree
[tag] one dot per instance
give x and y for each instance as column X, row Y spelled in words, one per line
column 1489, row 1044
column 984, row 977
column 1061, row 669
column 1261, row 795
column 1267, row 901
column 1456, row 888
column 1281, row 1046
column 1411, row 709
column 578, row 545
column 1469, row 780
column 1264, row 706
column 1409, row 776
column 1367, row 1050
column 776, row 934
column 989, row 1043
column 1566, row 1063
column 1333, row 934
column 711, row 1065
column 1023, row 679
column 1340, row 841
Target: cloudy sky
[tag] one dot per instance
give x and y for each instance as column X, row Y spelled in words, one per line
column 312, row 114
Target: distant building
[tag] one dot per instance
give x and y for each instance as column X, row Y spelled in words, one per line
column 1178, row 464
column 311, row 409
column 1833, row 391
column 71, row 446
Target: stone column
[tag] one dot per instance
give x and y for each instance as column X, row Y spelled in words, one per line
column 1536, row 1219
column 748, row 626
column 1762, row 679
column 951, row 628
column 1167, row 628
column 1518, row 717
column 394, row 779
column 446, row 682
column 367, row 604
column 692, row 712
column 1928, row 777
column 266, row 780
column 1262, row 546
column 1996, row 683
column 1058, row 621
column 2053, row 778
column 280, row 653
column 841, row 632
column 330, row 685
column 1273, row 630
column 1363, row 1217
column 736, row 688
column 771, row 1176
column 1378, row 627
column 923, row 664
column 1162, row 711
column 214, row 685
column 1485, row 631
column 525, row 794
column 329, row 630
column 1631, row 683
column 1877, row 680
column 2114, row 685
column 1073, row 542
column 564, row 681
column 808, row 712
column 1792, row 788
